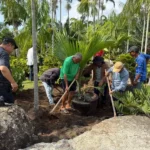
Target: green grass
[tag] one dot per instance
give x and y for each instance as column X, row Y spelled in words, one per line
column 29, row 84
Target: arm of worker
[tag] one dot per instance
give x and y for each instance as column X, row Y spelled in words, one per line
column 77, row 75
column 122, row 85
column 6, row 73
column 66, row 70
column 139, row 70
column 146, row 56
column 109, row 71
column 103, row 80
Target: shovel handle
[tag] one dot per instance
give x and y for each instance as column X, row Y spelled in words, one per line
column 112, row 101
column 62, row 97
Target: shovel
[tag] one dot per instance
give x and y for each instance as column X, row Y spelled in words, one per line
column 112, row 102
column 61, row 98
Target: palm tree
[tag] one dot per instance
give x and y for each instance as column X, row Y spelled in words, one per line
column 84, row 9
column 88, row 47
column 68, row 7
column 14, row 13
column 36, row 96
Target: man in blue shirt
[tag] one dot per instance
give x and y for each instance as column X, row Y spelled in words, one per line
column 119, row 77
column 141, row 67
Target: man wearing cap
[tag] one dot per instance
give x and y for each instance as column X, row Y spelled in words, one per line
column 119, row 77
column 7, row 82
column 141, row 66
column 69, row 72
column 98, row 66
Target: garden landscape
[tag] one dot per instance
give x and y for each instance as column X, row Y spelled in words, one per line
column 110, row 120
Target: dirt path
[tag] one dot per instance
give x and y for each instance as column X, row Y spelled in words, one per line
column 50, row 128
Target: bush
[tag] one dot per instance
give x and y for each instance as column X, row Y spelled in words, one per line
column 19, row 70
column 137, row 102
column 128, row 61
column 50, row 61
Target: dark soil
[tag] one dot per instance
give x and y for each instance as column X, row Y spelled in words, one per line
column 51, row 128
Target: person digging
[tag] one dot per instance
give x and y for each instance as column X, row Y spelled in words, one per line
column 120, row 77
column 69, row 72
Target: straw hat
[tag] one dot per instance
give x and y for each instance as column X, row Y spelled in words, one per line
column 118, row 66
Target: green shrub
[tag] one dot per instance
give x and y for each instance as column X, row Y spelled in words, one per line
column 128, row 61
column 19, row 70
column 137, row 102
column 50, row 61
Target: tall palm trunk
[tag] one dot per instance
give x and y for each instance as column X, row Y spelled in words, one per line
column 128, row 39
column 52, row 12
column 99, row 6
column 143, row 35
column 60, row 16
column 36, row 96
column 147, row 28
column 15, row 27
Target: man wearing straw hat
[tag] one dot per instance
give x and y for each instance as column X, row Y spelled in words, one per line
column 68, row 73
column 119, row 77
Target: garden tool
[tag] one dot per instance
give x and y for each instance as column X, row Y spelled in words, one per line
column 111, row 97
column 62, row 97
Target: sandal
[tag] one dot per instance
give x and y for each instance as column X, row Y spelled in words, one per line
column 64, row 111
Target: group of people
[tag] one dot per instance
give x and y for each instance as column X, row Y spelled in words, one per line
column 101, row 70
column 70, row 72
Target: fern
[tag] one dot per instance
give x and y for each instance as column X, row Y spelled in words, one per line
column 137, row 102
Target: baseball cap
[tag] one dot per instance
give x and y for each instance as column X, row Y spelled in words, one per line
column 118, row 66
column 98, row 59
column 10, row 40
column 134, row 49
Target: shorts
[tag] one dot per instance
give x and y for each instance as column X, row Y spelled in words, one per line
column 72, row 88
column 6, row 92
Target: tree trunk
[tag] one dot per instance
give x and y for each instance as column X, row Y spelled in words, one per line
column 147, row 28
column 143, row 35
column 60, row 16
column 52, row 21
column 68, row 23
column 36, row 96
column 15, row 27
column 128, row 39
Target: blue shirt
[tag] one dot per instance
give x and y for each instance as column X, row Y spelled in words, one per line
column 141, row 68
column 119, row 79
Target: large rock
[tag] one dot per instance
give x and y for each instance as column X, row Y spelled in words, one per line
column 121, row 133
column 15, row 128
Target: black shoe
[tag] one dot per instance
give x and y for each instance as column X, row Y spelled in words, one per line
column 2, row 101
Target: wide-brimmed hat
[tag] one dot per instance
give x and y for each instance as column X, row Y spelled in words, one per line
column 118, row 66
column 10, row 40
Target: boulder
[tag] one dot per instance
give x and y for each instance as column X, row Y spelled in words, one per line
column 15, row 128
column 119, row 133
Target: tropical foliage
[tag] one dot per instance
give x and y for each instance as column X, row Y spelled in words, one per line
column 137, row 102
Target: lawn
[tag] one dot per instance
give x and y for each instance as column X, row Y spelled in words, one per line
column 30, row 84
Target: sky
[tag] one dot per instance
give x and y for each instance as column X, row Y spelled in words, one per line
column 74, row 14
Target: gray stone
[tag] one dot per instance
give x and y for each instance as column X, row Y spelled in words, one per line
column 15, row 128
column 120, row 133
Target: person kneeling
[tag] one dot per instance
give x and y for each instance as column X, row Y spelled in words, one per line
column 48, row 79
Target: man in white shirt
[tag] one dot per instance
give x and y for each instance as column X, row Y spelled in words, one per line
column 30, row 62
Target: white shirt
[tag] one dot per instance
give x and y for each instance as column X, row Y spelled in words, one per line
column 30, row 59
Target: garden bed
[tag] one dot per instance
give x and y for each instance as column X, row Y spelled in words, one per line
column 50, row 128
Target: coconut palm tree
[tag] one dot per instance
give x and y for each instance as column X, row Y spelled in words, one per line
column 68, row 7
column 36, row 96
column 14, row 13
column 88, row 47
